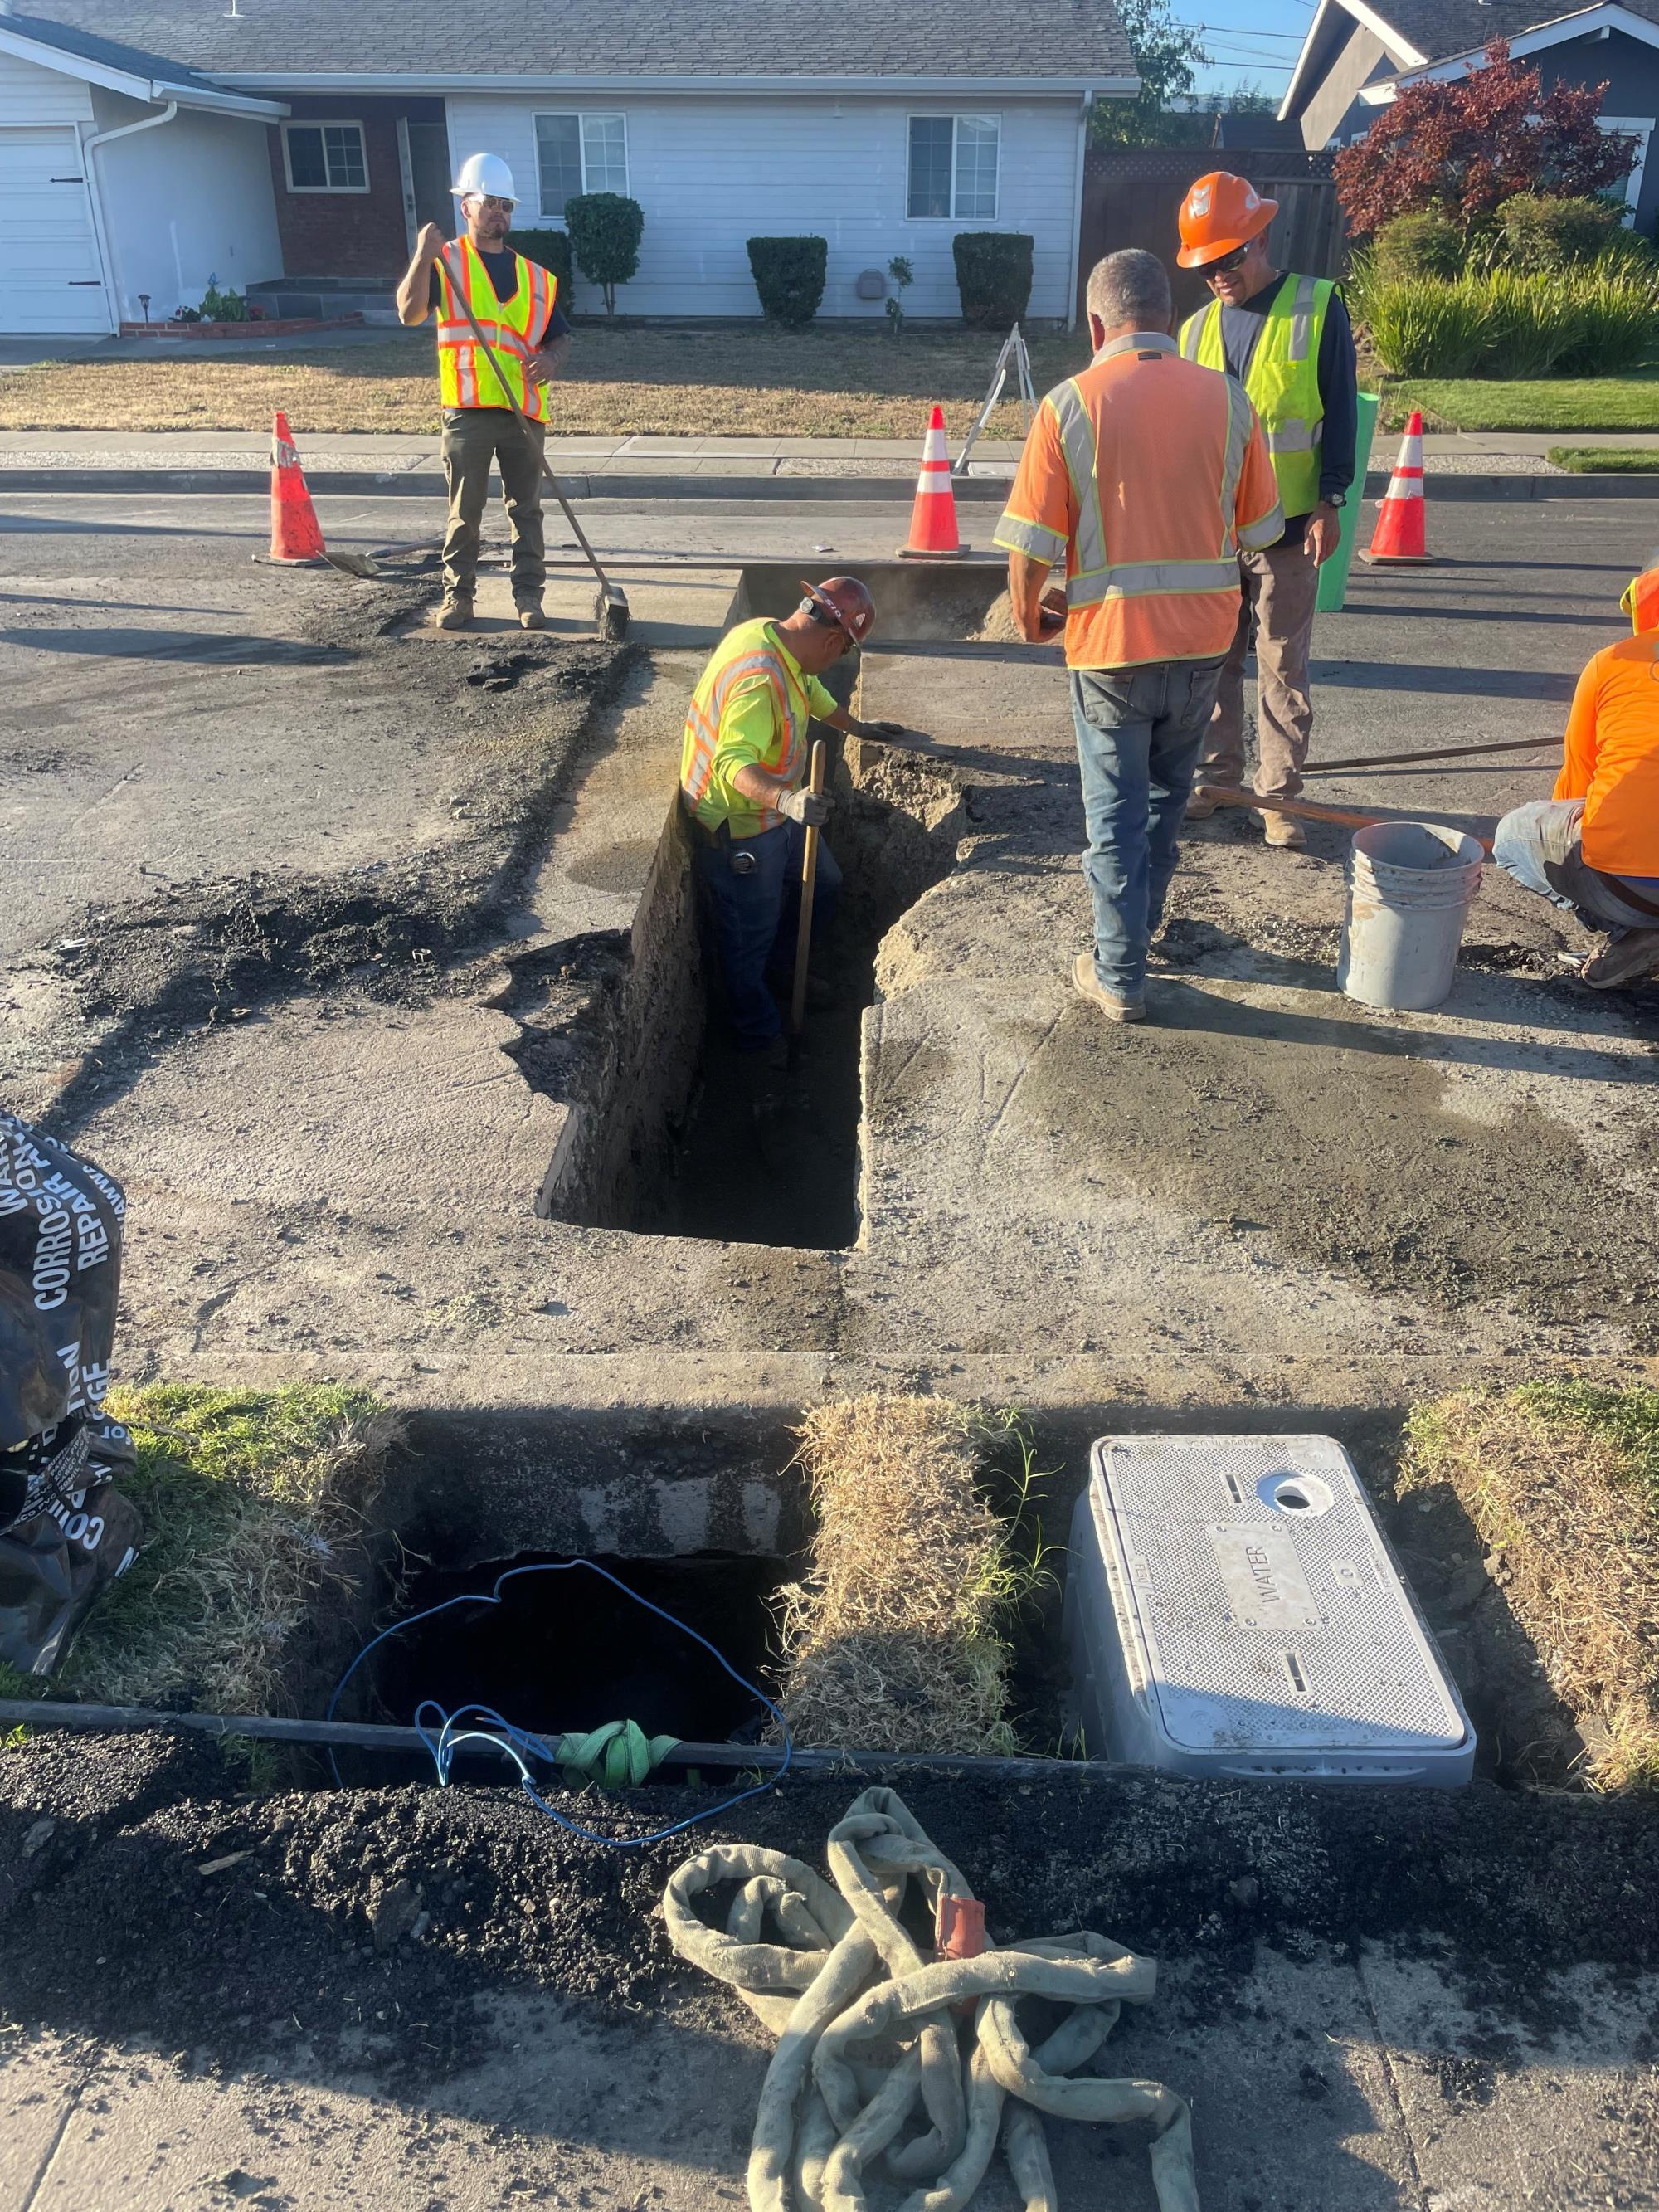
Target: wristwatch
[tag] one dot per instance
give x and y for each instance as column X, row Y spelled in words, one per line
column 1336, row 499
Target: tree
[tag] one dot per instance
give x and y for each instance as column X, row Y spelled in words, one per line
column 1165, row 53
column 1461, row 148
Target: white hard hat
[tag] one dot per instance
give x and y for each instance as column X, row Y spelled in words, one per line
column 484, row 173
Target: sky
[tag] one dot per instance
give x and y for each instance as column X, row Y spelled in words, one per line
column 1254, row 41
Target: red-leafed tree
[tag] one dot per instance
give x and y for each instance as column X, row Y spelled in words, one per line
column 1463, row 147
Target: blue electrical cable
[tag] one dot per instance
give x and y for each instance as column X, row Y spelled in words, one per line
column 517, row 1744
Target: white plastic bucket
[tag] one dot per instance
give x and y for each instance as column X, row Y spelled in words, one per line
column 1410, row 885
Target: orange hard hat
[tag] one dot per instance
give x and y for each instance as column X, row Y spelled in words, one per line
column 843, row 603
column 1641, row 601
column 1221, row 212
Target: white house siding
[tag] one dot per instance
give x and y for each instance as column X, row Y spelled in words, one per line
column 713, row 172
column 188, row 200
column 39, row 96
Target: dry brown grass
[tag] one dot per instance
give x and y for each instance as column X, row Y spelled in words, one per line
column 891, row 1643
column 720, row 381
column 1562, row 1481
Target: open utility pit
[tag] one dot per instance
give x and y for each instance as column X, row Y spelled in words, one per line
column 895, row 821
column 567, row 1651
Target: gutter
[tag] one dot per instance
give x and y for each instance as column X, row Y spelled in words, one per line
column 805, row 88
column 89, row 148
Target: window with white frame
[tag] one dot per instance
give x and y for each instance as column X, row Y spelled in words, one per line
column 326, row 157
column 953, row 168
column 1639, row 129
column 579, row 154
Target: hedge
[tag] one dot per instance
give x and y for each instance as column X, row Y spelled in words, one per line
column 789, row 275
column 548, row 249
column 993, row 277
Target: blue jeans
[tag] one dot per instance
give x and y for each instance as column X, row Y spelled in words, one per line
column 756, row 911
column 1140, row 732
column 1540, row 845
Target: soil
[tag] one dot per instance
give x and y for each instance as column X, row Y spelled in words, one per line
column 514, row 710
column 376, row 1924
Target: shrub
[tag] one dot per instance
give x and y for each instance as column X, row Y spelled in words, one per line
column 1546, row 234
column 789, row 275
column 993, row 277
column 1427, row 244
column 1628, row 253
column 605, row 236
column 1585, row 322
column 548, row 249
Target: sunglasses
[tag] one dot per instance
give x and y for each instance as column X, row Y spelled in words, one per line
column 497, row 207
column 1235, row 259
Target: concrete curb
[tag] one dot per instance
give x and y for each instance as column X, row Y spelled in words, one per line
column 358, row 483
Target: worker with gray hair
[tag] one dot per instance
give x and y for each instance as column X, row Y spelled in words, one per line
column 1143, row 478
column 515, row 304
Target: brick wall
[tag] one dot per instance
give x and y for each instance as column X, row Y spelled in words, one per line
column 345, row 234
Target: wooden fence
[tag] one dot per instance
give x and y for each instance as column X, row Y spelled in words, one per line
column 1132, row 196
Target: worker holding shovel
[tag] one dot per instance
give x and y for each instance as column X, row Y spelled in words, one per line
column 501, row 339
column 754, row 817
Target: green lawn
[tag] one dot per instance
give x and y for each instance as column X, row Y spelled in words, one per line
column 1605, row 460
column 1545, row 403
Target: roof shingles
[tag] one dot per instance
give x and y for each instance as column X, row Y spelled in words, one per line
column 1072, row 41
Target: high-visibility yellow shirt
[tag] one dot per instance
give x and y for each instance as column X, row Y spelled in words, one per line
column 753, row 705
column 1145, row 475
column 467, row 375
column 1612, row 758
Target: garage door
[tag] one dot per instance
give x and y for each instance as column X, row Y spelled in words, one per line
column 50, row 276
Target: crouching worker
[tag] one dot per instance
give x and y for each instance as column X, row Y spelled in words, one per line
column 65, row 1532
column 1594, row 848
column 742, row 776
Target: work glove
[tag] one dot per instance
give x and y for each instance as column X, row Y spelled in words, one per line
column 809, row 808
column 885, row 729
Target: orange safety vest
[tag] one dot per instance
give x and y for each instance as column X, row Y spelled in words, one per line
column 1145, row 475
column 466, row 375
column 746, row 656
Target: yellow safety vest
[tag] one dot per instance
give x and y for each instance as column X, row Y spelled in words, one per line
column 1282, row 382
column 466, row 375
column 745, row 656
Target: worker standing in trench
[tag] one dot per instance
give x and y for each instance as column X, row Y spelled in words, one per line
column 1593, row 848
column 1145, row 475
column 742, row 772
column 1288, row 341
column 515, row 303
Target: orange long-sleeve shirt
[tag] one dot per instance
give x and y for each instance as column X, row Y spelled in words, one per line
column 1612, row 760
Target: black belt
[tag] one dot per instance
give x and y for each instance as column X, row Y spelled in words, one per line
column 1621, row 890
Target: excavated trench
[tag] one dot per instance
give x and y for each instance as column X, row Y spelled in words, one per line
column 669, row 1147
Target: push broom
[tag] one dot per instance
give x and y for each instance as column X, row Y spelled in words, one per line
column 610, row 607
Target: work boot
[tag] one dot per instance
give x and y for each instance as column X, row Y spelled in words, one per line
column 1624, row 959
column 530, row 614
column 1112, row 1004
column 1282, row 829
column 456, row 613
column 1201, row 807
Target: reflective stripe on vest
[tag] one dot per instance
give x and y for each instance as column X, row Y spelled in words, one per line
column 1282, row 382
column 466, row 376
column 1097, row 578
column 744, row 652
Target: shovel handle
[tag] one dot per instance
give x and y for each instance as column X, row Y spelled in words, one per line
column 1305, row 811
column 809, row 878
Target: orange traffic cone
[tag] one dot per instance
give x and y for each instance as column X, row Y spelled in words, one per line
column 296, row 536
column 933, row 517
column 1402, row 539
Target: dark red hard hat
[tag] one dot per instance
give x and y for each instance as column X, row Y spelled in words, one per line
column 843, row 601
